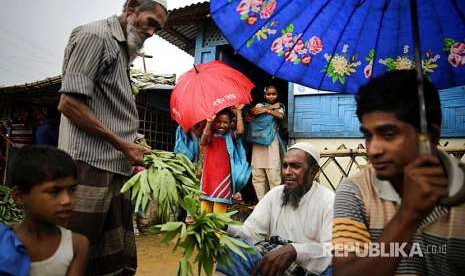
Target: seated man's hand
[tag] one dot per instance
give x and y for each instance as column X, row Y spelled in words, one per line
column 276, row 262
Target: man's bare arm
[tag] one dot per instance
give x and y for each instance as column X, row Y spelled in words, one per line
column 75, row 109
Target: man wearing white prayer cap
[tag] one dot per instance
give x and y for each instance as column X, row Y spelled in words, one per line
column 308, row 148
column 98, row 128
column 291, row 226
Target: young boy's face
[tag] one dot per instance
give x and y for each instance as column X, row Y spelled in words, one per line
column 222, row 124
column 49, row 201
column 271, row 95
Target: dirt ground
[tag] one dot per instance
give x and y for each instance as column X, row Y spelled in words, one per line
column 155, row 258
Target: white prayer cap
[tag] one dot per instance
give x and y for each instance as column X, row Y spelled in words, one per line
column 308, row 148
column 162, row 2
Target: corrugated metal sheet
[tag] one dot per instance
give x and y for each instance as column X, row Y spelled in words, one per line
column 182, row 25
column 32, row 86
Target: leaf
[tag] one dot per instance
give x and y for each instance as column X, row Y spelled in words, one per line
column 184, row 267
column 154, row 180
column 189, row 245
column 171, row 226
column 183, row 232
column 244, row 16
column 233, row 247
column 334, row 78
column 371, row 55
column 131, row 182
column 447, row 44
column 145, row 203
column 290, row 28
column 181, row 157
column 144, row 184
column 169, row 236
column 240, row 243
column 140, row 194
column 208, row 266
column 250, row 42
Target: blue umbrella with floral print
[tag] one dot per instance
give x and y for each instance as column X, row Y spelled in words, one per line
column 338, row 45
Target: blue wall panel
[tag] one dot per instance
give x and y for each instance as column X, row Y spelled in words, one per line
column 453, row 112
column 333, row 115
column 324, row 116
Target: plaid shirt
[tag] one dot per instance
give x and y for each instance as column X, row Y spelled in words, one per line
column 275, row 242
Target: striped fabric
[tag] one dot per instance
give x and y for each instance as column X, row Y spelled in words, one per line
column 223, row 190
column 96, row 66
column 104, row 215
column 364, row 206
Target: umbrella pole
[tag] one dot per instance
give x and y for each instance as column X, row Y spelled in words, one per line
column 424, row 141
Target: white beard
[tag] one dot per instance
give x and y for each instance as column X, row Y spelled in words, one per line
column 135, row 44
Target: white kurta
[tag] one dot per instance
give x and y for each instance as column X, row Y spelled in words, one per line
column 309, row 226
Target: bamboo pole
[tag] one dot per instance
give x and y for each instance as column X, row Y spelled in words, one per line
column 362, row 152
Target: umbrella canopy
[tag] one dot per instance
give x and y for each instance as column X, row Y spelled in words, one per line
column 339, row 45
column 206, row 89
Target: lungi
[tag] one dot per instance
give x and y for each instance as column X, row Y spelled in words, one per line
column 104, row 216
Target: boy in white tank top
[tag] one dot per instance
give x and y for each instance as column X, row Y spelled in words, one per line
column 44, row 181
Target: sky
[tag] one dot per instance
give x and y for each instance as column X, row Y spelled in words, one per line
column 34, row 33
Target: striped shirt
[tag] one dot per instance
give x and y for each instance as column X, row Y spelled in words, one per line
column 364, row 205
column 96, row 66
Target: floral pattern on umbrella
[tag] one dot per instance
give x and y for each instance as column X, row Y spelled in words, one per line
column 264, row 32
column 404, row 62
column 253, row 10
column 341, row 65
column 294, row 49
column 456, row 51
column 283, row 38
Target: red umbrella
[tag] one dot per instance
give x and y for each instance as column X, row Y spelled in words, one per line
column 205, row 90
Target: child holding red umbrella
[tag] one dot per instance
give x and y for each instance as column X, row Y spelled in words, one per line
column 220, row 175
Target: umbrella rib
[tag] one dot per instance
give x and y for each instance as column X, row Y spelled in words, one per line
column 386, row 5
column 304, row 30
column 359, row 35
column 338, row 40
column 451, row 73
column 459, row 11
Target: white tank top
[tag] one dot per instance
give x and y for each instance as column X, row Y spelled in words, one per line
column 58, row 263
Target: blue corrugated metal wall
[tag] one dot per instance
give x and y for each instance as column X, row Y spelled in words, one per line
column 333, row 115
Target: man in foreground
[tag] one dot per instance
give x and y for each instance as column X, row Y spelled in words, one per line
column 393, row 205
column 99, row 126
column 290, row 225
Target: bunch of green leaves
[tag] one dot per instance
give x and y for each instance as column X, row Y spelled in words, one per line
column 203, row 238
column 9, row 211
column 168, row 178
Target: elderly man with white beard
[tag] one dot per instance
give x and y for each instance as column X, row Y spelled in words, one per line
column 98, row 128
column 291, row 226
